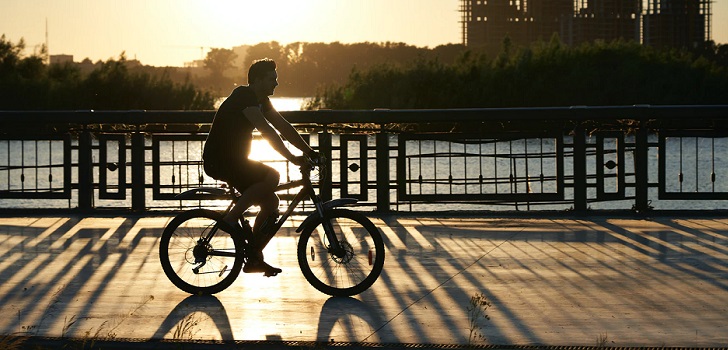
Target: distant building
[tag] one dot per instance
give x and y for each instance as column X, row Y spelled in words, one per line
column 677, row 23
column 61, row 59
column 606, row 20
column 664, row 23
column 195, row 64
column 242, row 53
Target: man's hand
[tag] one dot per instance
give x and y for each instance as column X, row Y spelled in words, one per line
column 313, row 158
column 316, row 157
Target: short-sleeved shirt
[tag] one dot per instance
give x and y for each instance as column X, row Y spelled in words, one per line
column 228, row 145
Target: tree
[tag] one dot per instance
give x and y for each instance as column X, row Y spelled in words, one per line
column 218, row 61
column 10, row 54
column 272, row 50
column 20, row 76
column 27, row 83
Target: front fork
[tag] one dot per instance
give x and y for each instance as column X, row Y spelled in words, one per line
column 322, row 208
column 335, row 247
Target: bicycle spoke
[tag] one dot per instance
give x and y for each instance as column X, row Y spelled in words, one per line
column 349, row 273
column 194, row 264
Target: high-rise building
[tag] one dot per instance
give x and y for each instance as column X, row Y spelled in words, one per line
column 604, row 20
column 673, row 23
column 676, row 23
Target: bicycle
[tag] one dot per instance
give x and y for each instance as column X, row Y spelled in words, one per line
column 340, row 251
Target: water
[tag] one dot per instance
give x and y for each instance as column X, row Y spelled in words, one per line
column 280, row 103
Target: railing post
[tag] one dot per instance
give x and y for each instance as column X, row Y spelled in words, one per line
column 382, row 152
column 138, row 167
column 325, row 149
column 641, row 168
column 580, row 183
column 85, row 171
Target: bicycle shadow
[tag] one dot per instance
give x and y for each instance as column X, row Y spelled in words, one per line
column 349, row 320
column 183, row 320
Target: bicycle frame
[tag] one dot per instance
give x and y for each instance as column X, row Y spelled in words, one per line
column 306, row 192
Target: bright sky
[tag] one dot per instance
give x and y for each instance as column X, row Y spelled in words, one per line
column 172, row 32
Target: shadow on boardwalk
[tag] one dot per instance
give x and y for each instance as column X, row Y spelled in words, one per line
column 550, row 281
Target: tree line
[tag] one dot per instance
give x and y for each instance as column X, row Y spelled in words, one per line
column 306, row 68
column 544, row 74
column 381, row 75
column 27, row 83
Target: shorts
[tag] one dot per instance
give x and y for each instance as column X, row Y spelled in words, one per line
column 240, row 174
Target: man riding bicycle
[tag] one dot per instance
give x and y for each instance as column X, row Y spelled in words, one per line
column 228, row 146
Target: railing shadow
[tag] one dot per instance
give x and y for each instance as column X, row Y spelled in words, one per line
column 50, row 263
column 538, row 271
column 594, row 275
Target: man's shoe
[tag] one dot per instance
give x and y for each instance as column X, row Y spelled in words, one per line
column 258, row 265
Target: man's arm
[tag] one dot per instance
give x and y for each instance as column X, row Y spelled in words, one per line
column 255, row 116
column 288, row 131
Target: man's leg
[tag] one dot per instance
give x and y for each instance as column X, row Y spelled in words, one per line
column 259, row 193
column 268, row 202
column 263, row 194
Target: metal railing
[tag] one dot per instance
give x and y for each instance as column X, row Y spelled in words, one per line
column 637, row 158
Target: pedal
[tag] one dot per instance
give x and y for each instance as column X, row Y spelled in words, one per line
column 271, row 273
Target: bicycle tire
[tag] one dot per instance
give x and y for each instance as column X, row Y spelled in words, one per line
column 177, row 253
column 348, row 275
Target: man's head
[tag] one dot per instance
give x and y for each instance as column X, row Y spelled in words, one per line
column 260, row 68
column 263, row 77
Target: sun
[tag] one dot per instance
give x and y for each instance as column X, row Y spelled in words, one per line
column 252, row 22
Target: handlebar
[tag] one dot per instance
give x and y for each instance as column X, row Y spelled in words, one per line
column 306, row 168
column 311, row 163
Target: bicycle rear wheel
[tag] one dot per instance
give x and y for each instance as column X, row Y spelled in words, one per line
column 351, row 273
column 193, row 263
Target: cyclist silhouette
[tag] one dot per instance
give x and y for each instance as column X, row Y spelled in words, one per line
column 228, row 147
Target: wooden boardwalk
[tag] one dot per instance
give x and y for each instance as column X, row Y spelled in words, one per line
column 580, row 281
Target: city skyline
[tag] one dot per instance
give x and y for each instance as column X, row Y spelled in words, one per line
column 657, row 23
column 173, row 32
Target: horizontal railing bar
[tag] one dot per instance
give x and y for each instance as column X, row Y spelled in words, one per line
column 531, row 113
column 382, row 116
column 16, row 167
column 515, row 155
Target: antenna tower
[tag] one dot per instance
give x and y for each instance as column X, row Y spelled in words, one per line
column 47, row 48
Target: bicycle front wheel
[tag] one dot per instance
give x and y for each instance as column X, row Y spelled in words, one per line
column 198, row 255
column 355, row 267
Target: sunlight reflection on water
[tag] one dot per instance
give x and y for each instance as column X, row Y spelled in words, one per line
column 280, row 103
